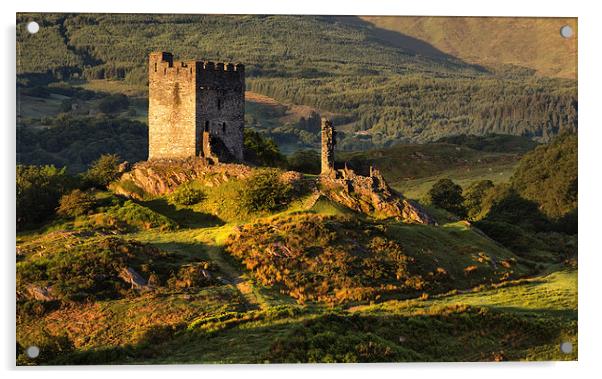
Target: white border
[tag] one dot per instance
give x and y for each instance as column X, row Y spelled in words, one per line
column 590, row 124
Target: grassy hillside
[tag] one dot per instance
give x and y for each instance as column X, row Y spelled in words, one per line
column 244, row 313
column 529, row 42
column 158, row 281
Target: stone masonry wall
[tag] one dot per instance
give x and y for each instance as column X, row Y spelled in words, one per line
column 186, row 98
column 328, row 142
column 171, row 108
column 221, row 105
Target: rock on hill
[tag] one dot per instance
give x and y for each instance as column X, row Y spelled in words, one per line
column 161, row 177
column 370, row 195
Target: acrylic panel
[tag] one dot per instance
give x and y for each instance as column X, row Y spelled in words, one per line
column 295, row 189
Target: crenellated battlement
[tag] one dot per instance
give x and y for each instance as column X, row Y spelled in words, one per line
column 163, row 63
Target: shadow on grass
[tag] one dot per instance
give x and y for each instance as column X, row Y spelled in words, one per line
column 285, row 335
column 183, row 216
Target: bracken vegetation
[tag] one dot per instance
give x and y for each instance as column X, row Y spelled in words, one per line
column 333, row 260
column 93, row 268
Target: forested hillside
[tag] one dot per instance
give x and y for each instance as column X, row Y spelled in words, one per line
column 380, row 93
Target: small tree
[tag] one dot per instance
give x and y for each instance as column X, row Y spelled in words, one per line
column 75, row 203
column 262, row 151
column 265, row 191
column 186, row 194
column 307, row 161
column 103, row 171
column 474, row 195
column 114, row 103
column 504, row 203
column 447, row 195
column 39, row 189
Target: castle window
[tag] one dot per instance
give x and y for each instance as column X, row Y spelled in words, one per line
column 224, row 127
column 219, row 104
column 155, row 66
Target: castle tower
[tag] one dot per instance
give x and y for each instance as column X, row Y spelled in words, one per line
column 328, row 143
column 196, row 108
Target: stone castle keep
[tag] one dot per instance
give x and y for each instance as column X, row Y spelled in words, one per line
column 196, row 108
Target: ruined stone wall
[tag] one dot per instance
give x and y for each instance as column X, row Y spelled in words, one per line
column 171, row 108
column 221, row 106
column 328, row 143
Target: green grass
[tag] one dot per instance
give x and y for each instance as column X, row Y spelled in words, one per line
column 327, row 207
column 418, row 188
column 455, row 246
column 554, row 293
column 122, row 326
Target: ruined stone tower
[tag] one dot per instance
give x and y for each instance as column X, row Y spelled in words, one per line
column 328, row 143
column 195, row 108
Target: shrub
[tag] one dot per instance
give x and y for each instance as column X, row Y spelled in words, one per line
column 511, row 236
column 391, row 337
column 113, row 103
column 447, row 195
column 51, row 347
column 262, row 151
column 39, row 189
column 503, row 203
column 186, row 194
column 90, row 269
column 568, row 222
column 307, row 161
column 103, row 171
column 473, row 197
column 264, row 191
column 75, row 203
column 317, row 258
column 548, row 176
column 192, row 275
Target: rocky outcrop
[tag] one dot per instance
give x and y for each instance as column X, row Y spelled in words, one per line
column 366, row 194
column 371, row 195
column 130, row 276
column 159, row 177
column 39, row 293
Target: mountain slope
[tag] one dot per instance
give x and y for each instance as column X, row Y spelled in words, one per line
column 117, row 45
column 535, row 43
